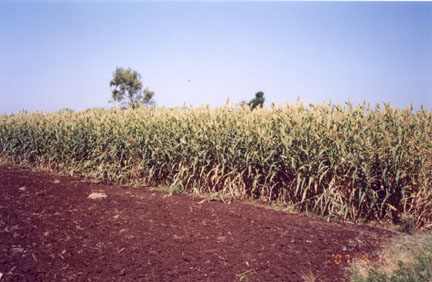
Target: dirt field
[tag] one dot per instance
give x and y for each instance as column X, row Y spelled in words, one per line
column 51, row 231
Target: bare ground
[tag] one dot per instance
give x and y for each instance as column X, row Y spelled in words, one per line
column 51, row 231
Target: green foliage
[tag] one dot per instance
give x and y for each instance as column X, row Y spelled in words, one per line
column 257, row 101
column 419, row 269
column 128, row 89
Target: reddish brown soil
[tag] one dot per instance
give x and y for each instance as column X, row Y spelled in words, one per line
column 51, row 231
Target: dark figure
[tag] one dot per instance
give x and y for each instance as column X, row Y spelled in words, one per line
column 258, row 100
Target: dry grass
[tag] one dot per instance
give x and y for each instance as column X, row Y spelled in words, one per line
column 405, row 248
column 308, row 277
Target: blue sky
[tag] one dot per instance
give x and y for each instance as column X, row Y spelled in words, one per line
column 62, row 54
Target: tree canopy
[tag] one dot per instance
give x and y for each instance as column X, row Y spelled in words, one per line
column 128, row 90
column 258, row 100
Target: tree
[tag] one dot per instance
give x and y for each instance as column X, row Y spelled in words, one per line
column 127, row 85
column 258, row 100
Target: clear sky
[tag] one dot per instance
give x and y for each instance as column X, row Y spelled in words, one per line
column 62, row 54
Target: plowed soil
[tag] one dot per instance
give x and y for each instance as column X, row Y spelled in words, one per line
column 51, row 231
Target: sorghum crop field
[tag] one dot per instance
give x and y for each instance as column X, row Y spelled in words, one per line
column 345, row 162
